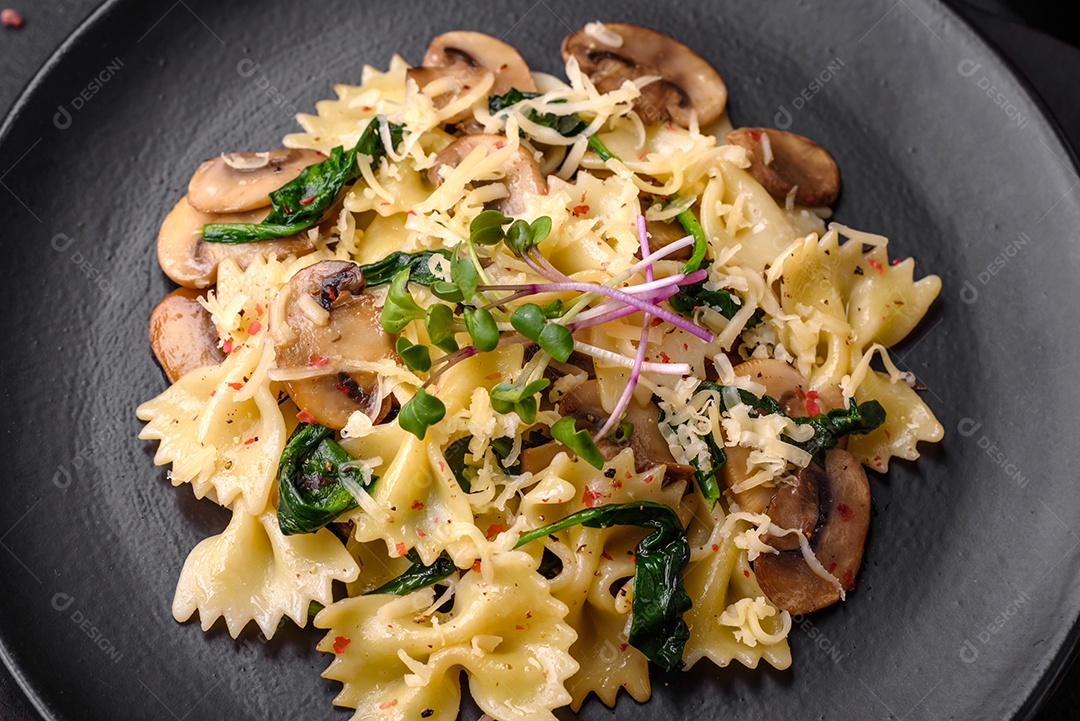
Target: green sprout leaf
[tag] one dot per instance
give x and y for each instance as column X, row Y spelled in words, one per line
column 509, row 398
column 553, row 309
column 441, row 326
column 416, row 357
column 580, row 442
column 400, row 308
column 420, row 412
column 463, row 273
column 621, row 433
column 701, row 244
column 487, row 228
column 482, row 328
column 557, row 340
column 529, row 320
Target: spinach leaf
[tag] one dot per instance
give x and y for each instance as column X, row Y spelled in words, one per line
column 657, row 628
column 501, row 447
column 303, row 201
column 693, row 295
column 418, row 575
column 311, row 480
column 383, row 271
column 829, row 428
column 567, row 126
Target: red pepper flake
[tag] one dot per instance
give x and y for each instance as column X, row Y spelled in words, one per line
column 251, row 440
column 633, row 558
column 342, row 387
column 400, row 549
column 876, row 265
column 655, row 322
column 607, row 555
column 845, row 512
column 388, row 704
column 755, row 135
column 590, row 498
column 317, row 360
column 715, row 547
column 476, row 566
column 331, row 292
column 11, row 18
column 580, row 210
column 420, row 533
column 897, row 261
column 305, row 417
column 340, row 644
column 623, row 647
column 417, row 505
column 832, row 566
column 519, row 627
column 235, row 386
column 307, row 200
column 528, row 614
column 493, row 376
column 494, row 529
column 254, row 327
column 887, row 434
column 849, row 579
column 227, row 347
column 648, row 478
column 258, row 309
column 410, row 212
column 664, row 357
column 812, row 408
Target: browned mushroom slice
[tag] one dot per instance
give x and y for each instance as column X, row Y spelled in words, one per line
column 464, row 56
column 521, row 173
column 688, row 84
column 192, row 262
column 662, row 234
column 182, row 335
column 795, row 505
column 650, row 447
column 239, row 182
column 332, row 321
column 837, row 542
column 534, row 460
column 783, row 161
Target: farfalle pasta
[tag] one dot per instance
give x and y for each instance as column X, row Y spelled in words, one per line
column 542, row 380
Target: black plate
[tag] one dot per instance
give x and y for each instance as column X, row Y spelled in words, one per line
column 967, row 605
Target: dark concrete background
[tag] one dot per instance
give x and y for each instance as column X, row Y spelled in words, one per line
column 1040, row 37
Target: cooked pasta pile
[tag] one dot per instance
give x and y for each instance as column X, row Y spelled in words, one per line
column 539, row 379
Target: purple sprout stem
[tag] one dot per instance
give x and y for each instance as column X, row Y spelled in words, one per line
column 613, row 311
column 615, row 294
column 448, row 361
column 639, row 358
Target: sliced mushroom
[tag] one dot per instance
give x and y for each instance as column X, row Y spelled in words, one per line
column 650, row 447
column 239, row 182
column 182, row 335
column 662, row 234
column 783, row 162
column 837, row 542
column 467, row 55
column 795, row 505
column 521, row 173
column 784, row 383
column 192, row 262
column 687, row 83
column 332, row 321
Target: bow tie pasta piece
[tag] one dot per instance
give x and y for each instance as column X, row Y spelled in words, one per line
column 909, row 420
column 398, row 662
column 731, row 619
column 594, row 563
column 252, row 572
column 221, row 429
column 886, row 303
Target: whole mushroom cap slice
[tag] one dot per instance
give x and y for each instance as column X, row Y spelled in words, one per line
column 239, row 182
column 192, row 262
column 182, row 335
column 521, row 173
column 789, row 161
column 688, row 84
column 332, row 321
column 837, row 542
column 795, row 505
column 464, row 49
column 650, row 447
